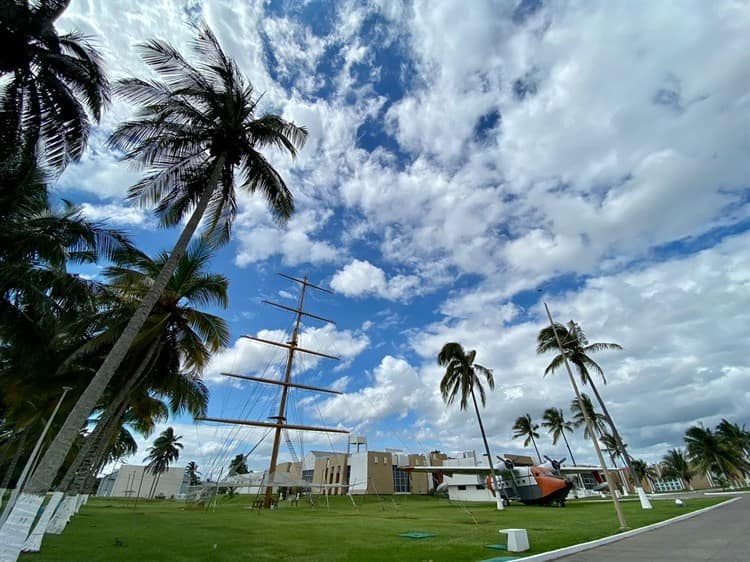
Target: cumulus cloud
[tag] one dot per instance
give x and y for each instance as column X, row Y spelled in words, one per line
column 361, row 278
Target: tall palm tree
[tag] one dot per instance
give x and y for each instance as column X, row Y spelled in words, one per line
column 553, row 420
column 579, row 418
column 462, row 379
column 180, row 337
column 577, row 350
column 712, row 455
column 675, row 465
column 51, row 81
column 525, row 427
column 166, row 449
column 195, row 129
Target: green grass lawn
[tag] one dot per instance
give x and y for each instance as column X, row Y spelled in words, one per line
column 111, row 530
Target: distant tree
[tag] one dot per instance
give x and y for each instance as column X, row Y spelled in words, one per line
column 579, row 418
column 676, row 466
column 238, row 465
column 462, row 378
column 644, row 472
column 192, row 473
column 553, row 420
column 612, row 447
column 166, row 449
column 525, row 427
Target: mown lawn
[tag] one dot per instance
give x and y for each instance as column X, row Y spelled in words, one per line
column 111, row 530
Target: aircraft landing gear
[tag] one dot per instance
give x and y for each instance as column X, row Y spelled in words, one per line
column 506, row 502
column 561, row 503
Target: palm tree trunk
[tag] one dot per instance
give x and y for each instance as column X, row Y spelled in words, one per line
column 536, row 449
column 498, row 492
column 572, row 458
column 85, row 457
column 55, row 455
column 615, row 433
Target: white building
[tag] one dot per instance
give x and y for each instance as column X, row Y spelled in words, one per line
column 130, row 481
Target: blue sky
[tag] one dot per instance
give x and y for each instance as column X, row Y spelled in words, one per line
column 466, row 161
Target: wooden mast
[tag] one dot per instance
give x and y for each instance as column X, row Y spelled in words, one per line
column 292, row 346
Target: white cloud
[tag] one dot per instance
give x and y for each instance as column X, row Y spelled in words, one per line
column 115, row 214
column 361, row 278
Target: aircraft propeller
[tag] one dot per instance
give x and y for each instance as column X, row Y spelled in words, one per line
column 556, row 464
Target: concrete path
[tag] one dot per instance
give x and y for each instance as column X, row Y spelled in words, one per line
column 720, row 534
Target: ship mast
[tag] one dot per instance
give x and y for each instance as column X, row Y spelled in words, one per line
column 292, row 346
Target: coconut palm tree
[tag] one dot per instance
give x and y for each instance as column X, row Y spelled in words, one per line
column 712, row 455
column 579, row 418
column 525, row 427
column 553, row 420
column 645, row 472
column 166, row 449
column 675, row 465
column 49, row 81
column 577, row 350
column 193, row 474
column 735, row 436
column 178, row 339
column 462, row 379
column 196, row 134
column 612, row 447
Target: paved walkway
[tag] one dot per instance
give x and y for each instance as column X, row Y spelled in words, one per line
column 721, row 534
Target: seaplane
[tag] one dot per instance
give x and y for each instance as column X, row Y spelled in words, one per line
column 544, row 484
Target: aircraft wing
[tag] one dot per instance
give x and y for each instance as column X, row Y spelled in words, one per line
column 449, row 470
column 580, row 469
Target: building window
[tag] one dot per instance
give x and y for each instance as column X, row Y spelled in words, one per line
column 480, row 487
column 462, row 487
column 401, row 481
column 307, row 475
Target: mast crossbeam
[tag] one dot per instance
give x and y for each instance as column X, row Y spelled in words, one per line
column 281, row 383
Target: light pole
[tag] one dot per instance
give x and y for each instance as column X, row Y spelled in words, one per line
column 31, row 461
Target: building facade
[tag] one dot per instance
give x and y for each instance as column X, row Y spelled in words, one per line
column 130, row 481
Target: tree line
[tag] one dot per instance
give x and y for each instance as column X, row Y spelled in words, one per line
column 131, row 345
column 723, row 454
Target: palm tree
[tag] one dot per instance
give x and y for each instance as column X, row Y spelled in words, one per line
column 577, row 350
column 192, row 473
column 675, row 465
column 462, row 379
column 525, row 427
column 553, row 420
column 579, row 418
column 611, row 447
column 712, row 455
column 194, row 131
column 166, row 449
column 735, row 436
column 50, row 78
column 644, row 472
column 179, row 336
